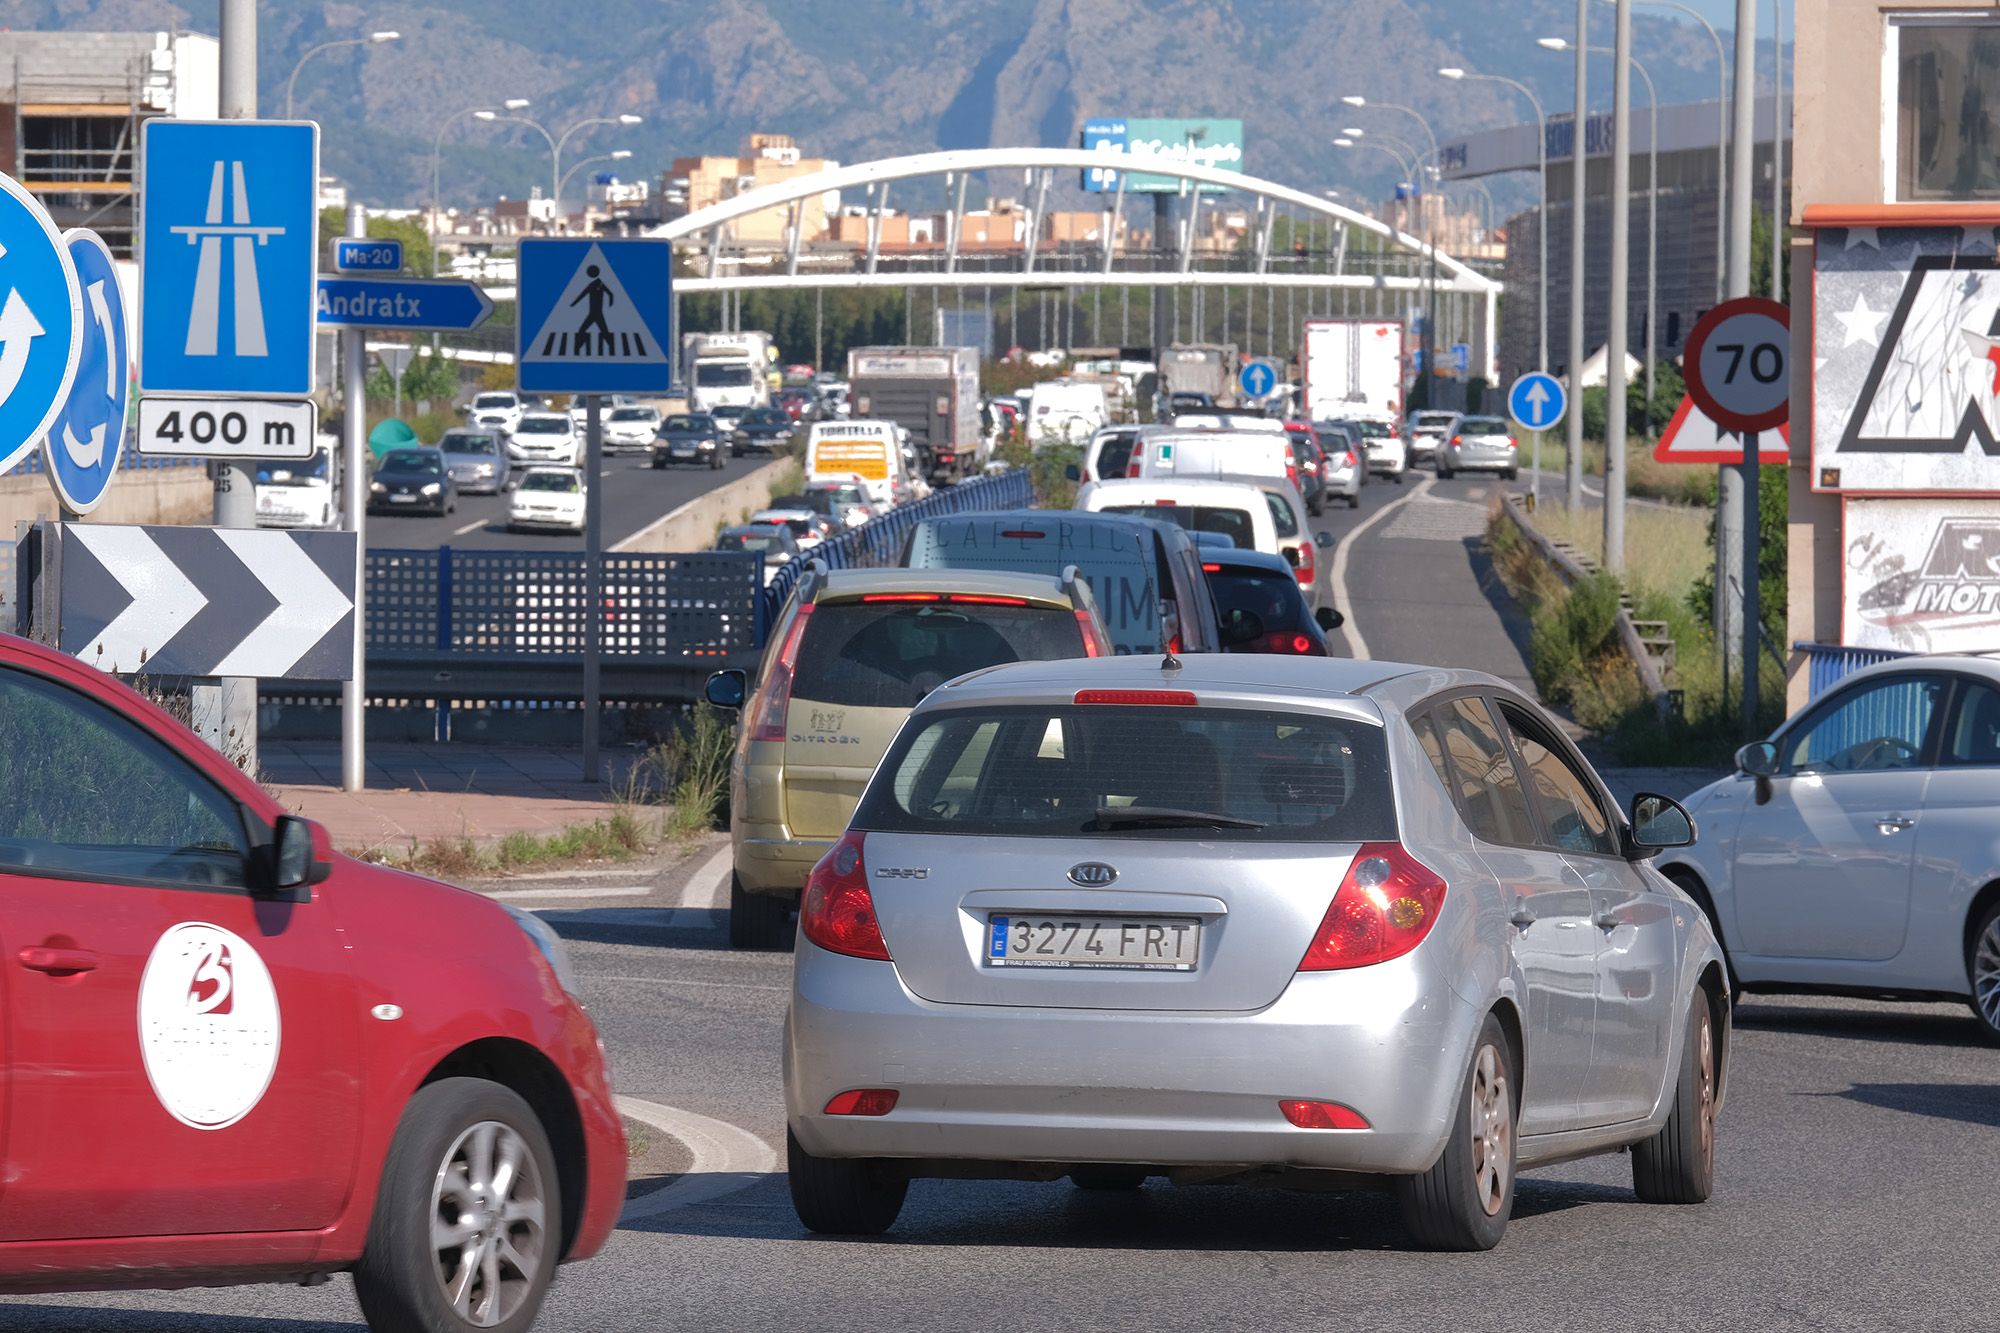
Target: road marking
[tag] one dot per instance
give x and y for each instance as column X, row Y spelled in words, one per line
column 566, row 895
column 473, row 526
column 705, row 885
column 727, row 1160
column 1337, row 579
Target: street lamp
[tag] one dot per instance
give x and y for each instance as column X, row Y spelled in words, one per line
column 1652, row 206
column 437, row 149
column 617, row 155
column 372, row 39
column 626, row 119
column 1430, row 243
column 1542, row 209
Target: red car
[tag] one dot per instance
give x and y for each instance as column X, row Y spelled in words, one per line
column 235, row 1055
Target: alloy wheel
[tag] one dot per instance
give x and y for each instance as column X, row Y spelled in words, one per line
column 1705, row 1073
column 1492, row 1111
column 488, row 1223
column 1986, row 974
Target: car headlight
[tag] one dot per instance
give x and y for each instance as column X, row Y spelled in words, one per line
column 485, row 470
column 377, row 487
column 549, row 943
column 435, row 488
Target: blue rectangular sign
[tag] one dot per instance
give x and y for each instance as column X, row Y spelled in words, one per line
column 446, row 305
column 595, row 316
column 367, row 254
column 230, row 257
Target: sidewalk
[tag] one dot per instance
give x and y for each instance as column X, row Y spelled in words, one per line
column 427, row 792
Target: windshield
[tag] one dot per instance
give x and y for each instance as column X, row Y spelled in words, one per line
column 494, row 400
column 711, row 376
column 301, row 473
column 456, row 443
column 551, row 481
column 1482, row 426
column 633, row 414
column 543, row 426
column 693, row 424
column 1231, row 523
column 890, row 655
column 1060, row 771
column 412, row 460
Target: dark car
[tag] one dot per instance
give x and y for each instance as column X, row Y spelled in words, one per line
column 767, row 428
column 691, row 437
column 412, row 481
column 1261, row 607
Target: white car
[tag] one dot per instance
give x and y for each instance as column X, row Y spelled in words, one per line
column 548, row 499
column 499, row 410
column 545, row 437
column 1255, row 513
column 630, row 427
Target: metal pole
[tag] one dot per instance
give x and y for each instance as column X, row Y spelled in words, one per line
column 1621, row 267
column 354, row 485
column 593, row 579
column 1736, row 526
column 1778, row 151
column 1579, row 164
column 1652, row 236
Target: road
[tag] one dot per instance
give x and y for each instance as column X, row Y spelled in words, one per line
column 634, row 495
column 1850, row 1194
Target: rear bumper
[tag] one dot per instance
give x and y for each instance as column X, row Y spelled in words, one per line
column 1460, row 460
column 984, row 1083
column 777, row 865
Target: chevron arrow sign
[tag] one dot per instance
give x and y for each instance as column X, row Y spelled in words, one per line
column 208, row 601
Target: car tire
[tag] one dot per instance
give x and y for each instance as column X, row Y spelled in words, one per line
column 1510, row 474
column 403, row 1281
column 1982, row 969
column 1108, row 1179
column 1464, row 1200
column 842, row 1196
column 1444, row 473
column 1677, row 1165
column 1317, row 509
column 1399, row 479
column 1354, row 502
column 757, row 920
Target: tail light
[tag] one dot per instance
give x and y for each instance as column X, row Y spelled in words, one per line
column 1291, row 641
column 836, row 911
column 1306, row 1115
column 1304, row 570
column 767, row 719
column 1512, row 443
column 1139, row 698
column 1292, row 473
column 881, row 1101
column 1386, row 904
column 1351, row 459
column 1457, row 440
column 1132, row 468
column 1094, row 643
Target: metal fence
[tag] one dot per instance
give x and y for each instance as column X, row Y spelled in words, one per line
column 129, row 458
column 880, row 542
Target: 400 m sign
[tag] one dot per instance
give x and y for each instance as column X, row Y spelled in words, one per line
column 228, row 427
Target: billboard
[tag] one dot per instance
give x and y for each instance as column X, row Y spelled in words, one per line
column 1204, row 143
column 1921, row 575
column 1906, row 350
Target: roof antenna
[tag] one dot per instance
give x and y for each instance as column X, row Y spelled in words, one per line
column 1171, row 663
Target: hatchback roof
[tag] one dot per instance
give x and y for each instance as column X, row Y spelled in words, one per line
column 845, row 583
column 1250, row 673
column 1237, row 557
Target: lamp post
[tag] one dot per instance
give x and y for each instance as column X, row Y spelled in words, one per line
column 1409, row 176
column 626, row 119
column 1542, row 209
column 372, row 39
column 437, row 150
column 555, row 143
column 1430, row 246
column 617, row 155
column 1721, row 130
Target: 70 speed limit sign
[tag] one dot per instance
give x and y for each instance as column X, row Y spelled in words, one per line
column 1738, row 364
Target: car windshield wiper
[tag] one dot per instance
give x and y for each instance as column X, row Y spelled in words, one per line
column 1158, row 816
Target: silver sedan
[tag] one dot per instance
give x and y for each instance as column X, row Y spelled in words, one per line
column 1311, row 921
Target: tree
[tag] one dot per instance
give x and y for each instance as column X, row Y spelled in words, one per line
column 416, row 243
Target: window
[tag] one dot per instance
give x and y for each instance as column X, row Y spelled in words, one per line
column 1482, row 778
column 1974, row 739
column 1573, row 818
column 1946, row 112
column 1282, row 516
column 1872, row 728
column 891, row 654
column 90, row 796
column 1231, row 523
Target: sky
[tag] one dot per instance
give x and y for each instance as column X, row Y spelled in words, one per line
column 1722, row 13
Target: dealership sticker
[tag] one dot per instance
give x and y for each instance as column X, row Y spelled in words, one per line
column 208, row 1025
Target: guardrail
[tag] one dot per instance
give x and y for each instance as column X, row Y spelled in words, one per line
column 1827, row 664
column 880, row 541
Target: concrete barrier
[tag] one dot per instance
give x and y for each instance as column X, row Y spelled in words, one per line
column 691, row 527
column 143, row 495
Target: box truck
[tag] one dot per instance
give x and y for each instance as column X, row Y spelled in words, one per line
column 931, row 392
column 1353, row 369
column 727, row 369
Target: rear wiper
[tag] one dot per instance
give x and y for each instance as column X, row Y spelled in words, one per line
column 1158, row 816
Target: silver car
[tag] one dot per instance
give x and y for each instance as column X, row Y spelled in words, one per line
column 1855, row 850
column 1477, row 444
column 1342, row 472
column 1423, row 432
column 1302, row 920
column 476, row 460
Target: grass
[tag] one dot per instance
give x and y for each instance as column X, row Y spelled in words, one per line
column 1676, row 483
column 1666, row 549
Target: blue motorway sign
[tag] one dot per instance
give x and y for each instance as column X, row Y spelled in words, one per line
column 594, row 316
column 41, row 322
column 1258, row 379
column 445, row 304
column 84, row 442
column 232, row 252
column 1537, row 401
column 367, row 254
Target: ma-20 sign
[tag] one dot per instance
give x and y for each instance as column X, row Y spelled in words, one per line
column 1739, row 364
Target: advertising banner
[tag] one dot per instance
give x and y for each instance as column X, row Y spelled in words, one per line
column 1205, row 143
column 1921, row 575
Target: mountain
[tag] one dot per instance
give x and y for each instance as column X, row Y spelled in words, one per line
column 872, row 78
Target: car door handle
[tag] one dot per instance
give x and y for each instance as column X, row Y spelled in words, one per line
column 1522, row 918
column 39, row 958
column 1893, row 824
column 1609, row 920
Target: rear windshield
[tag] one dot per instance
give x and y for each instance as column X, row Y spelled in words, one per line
column 751, row 541
column 1062, row 771
column 1114, row 455
column 1115, row 556
column 1482, row 426
column 1370, row 430
column 494, row 400
column 891, row 654
column 1272, row 598
column 1231, row 523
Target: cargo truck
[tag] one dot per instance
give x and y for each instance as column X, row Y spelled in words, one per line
column 727, row 369
column 1200, row 368
column 1353, row 370
column 931, row 392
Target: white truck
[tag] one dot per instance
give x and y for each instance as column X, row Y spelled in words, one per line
column 1353, row 370
column 727, row 369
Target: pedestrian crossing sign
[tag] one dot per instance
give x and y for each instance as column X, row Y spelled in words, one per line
column 595, row 316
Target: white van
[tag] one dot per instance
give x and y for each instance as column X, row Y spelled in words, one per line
column 1256, row 514
column 300, row 493
column 1062, row 412
column 869, row 453
column 1214, row 453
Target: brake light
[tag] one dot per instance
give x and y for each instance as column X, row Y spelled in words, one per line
column 1303, row 569
column 1284, row 641
column 1351, row 460
column 768, row 720
column 1387, row 902
column 1512, row 443
column 1132, row 468
column 836, row 911
column 1292, row 473
column 1306, row 1115
column 985, row 599
column 1211, row 569
column 1024, row 534
column 881, row 1101
column 1094, row 643
column 1165, row 504
column 903, row 597
column 1457, row 440
column 1141, row 698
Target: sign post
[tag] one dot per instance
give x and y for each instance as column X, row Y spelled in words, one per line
column 1738, row 366
column 1537, row 402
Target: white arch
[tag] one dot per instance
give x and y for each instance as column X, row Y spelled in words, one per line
column 1001, row 159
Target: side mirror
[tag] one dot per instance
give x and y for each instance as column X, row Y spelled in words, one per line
column 1758, row 759
column 294, row 861
column 1328, row 619
column 1659, row 822
column 725, row 689
column 1322, row 540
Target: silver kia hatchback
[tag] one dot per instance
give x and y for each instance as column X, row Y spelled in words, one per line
column 1319, row 922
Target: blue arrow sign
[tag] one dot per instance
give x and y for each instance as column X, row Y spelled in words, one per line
column 1537, row 401
column 85, row 441
column 41, row 323
column 1257, row 378
column 445, row 304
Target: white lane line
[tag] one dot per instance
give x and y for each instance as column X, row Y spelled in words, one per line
column 704, row 887
column 727, row 1159
column 568, row 895
column 473, row 526
column 1337, row 579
